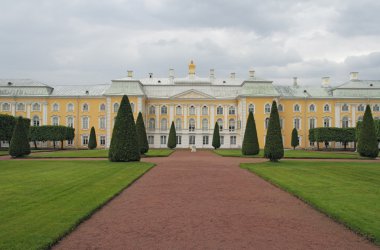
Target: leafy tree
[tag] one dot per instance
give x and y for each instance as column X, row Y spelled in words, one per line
column 51, row 133
column 141, row 134
column 216, row 137
column 367, row 143
column 274, row 149
column 172, row 140
column 124, row 144
column 92, row 144
column 250, row 141
column 295, row 141
column 19, row 143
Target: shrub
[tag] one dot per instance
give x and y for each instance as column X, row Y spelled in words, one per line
column 367, row 143
column 250, row 141
column 19, row 143
column 51, row 133
column 274, row 149
column 295, row 141
column 343, row 135
column 141, row 134
column 172, row 140
column 92, row 144
column 216, row 137
column 124, row 145
column 7, row 125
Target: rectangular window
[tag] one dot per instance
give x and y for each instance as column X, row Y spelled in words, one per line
column 102, row 140
column 192, row 139
column 312, row 123
column 312, row 143
column 233, row 140
column 205, row 140
column 222, row 140
column 69, row 142
column 85, row 122
column 102, row 122
column 179, row 139
column 151, row 139
column 163, row 139
column 326, row 123
column 85, row 140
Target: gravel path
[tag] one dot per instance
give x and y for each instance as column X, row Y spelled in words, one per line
column 204, row 201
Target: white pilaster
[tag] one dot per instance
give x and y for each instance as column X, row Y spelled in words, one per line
column 337, row 115
column 13, row 108
column 353, row 111
column 44, row 113
column 198, row 113
column 157, row 113
column 28, row 110
column 108, row 122
column 139, row 104
column 225, row 111
column 212, row 116
column 171, row 114
column 185, row 117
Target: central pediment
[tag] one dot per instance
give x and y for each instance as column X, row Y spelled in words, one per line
column 192, row 94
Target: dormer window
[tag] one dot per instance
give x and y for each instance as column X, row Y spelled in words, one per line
column 87, row 92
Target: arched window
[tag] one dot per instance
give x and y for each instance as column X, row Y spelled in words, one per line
column 6, row 107
column 360, row 118
column 164, row 124
column 85, row 122
column 345, row 122
column 192, row 110
column 267, row 108
column 55, row 121
column 164, row 110
column 178, row 110
column 312, row 123
column 231, row 125
column 70, row 121
column 297, row 123
column 178, row 124
column 152, row 110
column 152, row 124
column 326, row 122
column 251, row 108
column 219, row 110
column 220, row 124
column 115, row 107
column 312, row 108
column 361, row 108
column 345, row 107
column 36, row 107
column 326, row 108
column 36, row 121
column 191, row 124
column 85, row 107
column 204, row 110
column 204, row 124
column 296, row 108
column 20, row 106
column 280, row 108
column 70, row 107
column 376, row 108
column 133, row 107
column 231, row 110
column 266, row 123
column 102, row 107
column 55, row 107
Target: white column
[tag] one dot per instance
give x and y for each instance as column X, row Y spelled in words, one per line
column 13, row 108
column 337, row 115
column 198, row 113
column 185, row 117
column 225, row 110
column 353, row 111
column 158, row 123
column 139, row 104
column 28, row 110
column 212, row 116
column 44, row 113
column 108, row 122
column 171, row 114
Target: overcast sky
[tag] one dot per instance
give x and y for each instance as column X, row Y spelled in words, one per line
column 92, row 42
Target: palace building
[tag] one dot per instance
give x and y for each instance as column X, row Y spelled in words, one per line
column 194, row 103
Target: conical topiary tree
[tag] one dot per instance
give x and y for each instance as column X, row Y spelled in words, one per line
column 141, row 134
column 19, row 143
column 92, row 144
column 172, row 140
column 124, row 145
column 367, row 143
column 250, row 141
column 295, row 141
column 274, row 149
column 216, row 137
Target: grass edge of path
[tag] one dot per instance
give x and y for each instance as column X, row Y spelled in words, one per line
column 353, row 229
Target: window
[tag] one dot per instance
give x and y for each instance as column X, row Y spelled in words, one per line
column 266, row 123
column 164, row 110
column 361, row 108
column 69, row 142
column 192, row 110
column 55, row 121
column 20, row 107
column 152, row 110
column 219, row 110
column 85, row 122
column 296, row 108
column 102, row 122
column 70, row 121
column 376, row 108
column 163, row 139
column 6, row 107
column 192, row 139
column 102, row 140
column 164, row 124
column 70, row 107
column 179, row 139
column 345, row 122
column 178, row 124
column 231, row 110
column 36, row 121
column 251, row 108
column 132, row 107
column 280, row 108
column 205, row 140
column 231, row 125
column 85, row 107
column 220, row 124
column 204, row 110
column 204, row 124
column 312, row 108
column 178, row 110
column 115, row 107
column 326, row 122
column 222, row 140
column 233, row 140
column 36, row 107
column 326, row 108
column 345, row 107
column 55, row 107
column 102, row 107
column 84, row 139
column 191, row 125
column 150, row 139
column 312, row 123
column 152, row 124
column 360, row 118
column 267, row 108
column 296, row 123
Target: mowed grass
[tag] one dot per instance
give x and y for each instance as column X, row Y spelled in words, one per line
column 3, row 153
column 43, row 200
column 349, row 192
column 294, row 154
column 96, row 153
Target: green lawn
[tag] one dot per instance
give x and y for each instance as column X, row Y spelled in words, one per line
column 349, row 192
column 3, row 153
column 43, row 200
column 295, row 154
column 96, row 153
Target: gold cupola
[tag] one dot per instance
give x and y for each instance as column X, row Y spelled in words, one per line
column 191, row 68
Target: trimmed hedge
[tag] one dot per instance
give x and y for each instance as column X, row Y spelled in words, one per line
column 250, row 141
column 92, row 144
column 51, row 133
column 295, row 141
column 7, row 126
column 367, row 142
column 172, row 140
column 141, row 134
column 274, row 148
column 216, row 137
column 19, row 145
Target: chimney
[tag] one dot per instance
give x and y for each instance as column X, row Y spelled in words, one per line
column 233, row 75
column 150, row 75
column 212, row 74
column 251, row 74
column 354, row 76
column 295, row 82
column 171, row 74
column 130, row 73
column 325, row 82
